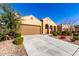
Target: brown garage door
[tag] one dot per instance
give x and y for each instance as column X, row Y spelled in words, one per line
column 30, row 29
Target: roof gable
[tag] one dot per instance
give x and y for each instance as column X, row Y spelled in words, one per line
column 48, row 20
column 30, row 19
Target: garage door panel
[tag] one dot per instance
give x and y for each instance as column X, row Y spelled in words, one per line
column 29, row 29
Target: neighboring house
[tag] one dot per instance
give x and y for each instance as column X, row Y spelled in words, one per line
column 66, row 27
column 32, row 25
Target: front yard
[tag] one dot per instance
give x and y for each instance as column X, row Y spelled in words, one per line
column 72, row 37
column 10, row 36
column 7, row 48
column 68, row 39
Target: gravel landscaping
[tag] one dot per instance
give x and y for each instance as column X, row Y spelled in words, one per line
column 7, row 48
column 68, row 39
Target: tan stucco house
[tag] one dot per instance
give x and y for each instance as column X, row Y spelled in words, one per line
column 48, row 25
column 32, row 25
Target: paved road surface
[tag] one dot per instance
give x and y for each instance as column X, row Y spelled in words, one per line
column 43, row 45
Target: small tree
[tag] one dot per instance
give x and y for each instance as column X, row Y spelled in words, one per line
column 9, row 20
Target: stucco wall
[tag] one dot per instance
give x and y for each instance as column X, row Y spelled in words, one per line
column 48, row 21
column 31, row 20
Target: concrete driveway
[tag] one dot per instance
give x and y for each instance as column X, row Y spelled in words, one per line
column 43, row 45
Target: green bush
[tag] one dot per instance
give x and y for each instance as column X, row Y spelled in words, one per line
column 17, row 35
column 11, row 33
column 2, row 37
column 77, row 31
column 51, row 32
column 76, row 37
column 54, row 33
column 59, row 33
column 66, row 33
column 18, row 40
column 75, row 34
column 69, row 33
column 73, row 31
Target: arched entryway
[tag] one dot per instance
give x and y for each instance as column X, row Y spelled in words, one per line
column 55, row 28
column 51, row 27
column 47, row 28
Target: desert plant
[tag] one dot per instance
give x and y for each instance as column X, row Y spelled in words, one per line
column 77, row 31
column 51, row 32
column 54, row 33
column 69, row 33
column 9, row 21
column 73, row 31
column 76, row 36
column 17, row 35
column 18, row 40
column 4, row 37
column 64, row 33
column 59, row 33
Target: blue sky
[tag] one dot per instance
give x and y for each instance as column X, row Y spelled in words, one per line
column 58, row 12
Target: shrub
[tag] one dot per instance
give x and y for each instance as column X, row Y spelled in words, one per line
column 77, row 31
column 18, row 40
column 11, row 33
column 51, row 32
column 14, row 34
column 59, row 33
column 69, row 33
column 66, row 33
column 76, row 37
column 54, row 33
column 75, row 34
column 73, row 31
column 17, row 35
column 2, row 37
